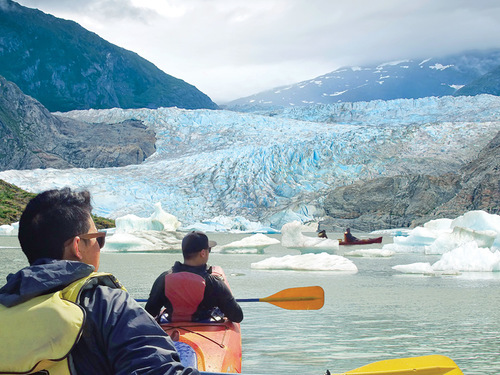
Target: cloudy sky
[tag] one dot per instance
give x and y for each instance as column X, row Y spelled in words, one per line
column 234, row 48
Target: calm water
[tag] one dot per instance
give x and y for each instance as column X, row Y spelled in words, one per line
column 371, row 315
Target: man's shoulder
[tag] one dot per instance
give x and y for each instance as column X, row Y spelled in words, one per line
column 216, row 277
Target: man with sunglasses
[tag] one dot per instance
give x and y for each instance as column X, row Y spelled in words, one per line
column 189, row 290
column 59, row 313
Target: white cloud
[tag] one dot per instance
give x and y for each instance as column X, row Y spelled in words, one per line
column 234, row 48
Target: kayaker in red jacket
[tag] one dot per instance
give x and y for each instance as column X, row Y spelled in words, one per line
column 348, row 237
column 189, row 290
column 116, row 335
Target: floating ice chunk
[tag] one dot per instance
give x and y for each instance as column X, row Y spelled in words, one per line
column 469, row 258
column 144, row 241
column 479, row 221
column 459, row 236
column 256, row 243
column 8, row 230
column 415, row 242
column 370, row 253
column 416, row 268
column 466, row 258
column 126, row 241
column 158, row 221
column 420, row 236
column 291, row 236
column 443, row 235
column 307, row 262
column 438, row 224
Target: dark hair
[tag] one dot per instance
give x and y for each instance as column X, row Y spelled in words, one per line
column 50, row 219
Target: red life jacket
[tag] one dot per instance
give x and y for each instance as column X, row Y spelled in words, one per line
column 185, row 291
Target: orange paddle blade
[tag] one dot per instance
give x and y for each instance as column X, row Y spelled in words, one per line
column 302, row 298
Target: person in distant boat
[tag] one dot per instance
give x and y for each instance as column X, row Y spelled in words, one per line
column 348, row 237
column 59, row 316
column 322, row 234
column 189, row 291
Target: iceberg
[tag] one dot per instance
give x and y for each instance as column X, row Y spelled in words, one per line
column 307, row 262
column 443, row 235
column 158, row 221
column 292, row 237
column 9, row 230
column 469, row 243
column 480, row 221
column 372, row 253
column 415, row 268
column 143, row 241
column 469, row 258
column 459, row 236
column 466, row 258
column 252, row 244
column 154, row 233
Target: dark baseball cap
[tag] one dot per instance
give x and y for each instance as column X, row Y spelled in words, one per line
column 195, row 242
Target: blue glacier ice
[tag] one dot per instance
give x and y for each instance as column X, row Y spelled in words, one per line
column 274, row 168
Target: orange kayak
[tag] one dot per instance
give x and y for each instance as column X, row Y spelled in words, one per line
column 212, row 346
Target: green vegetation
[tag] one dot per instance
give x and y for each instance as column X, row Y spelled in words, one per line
column 102, row 222
column 13, row 200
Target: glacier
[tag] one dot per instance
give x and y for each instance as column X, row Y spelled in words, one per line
column 273, row 168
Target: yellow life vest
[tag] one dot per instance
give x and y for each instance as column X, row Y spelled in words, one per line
column 38, row 335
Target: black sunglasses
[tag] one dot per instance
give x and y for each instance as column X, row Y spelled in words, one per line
column 99, row 236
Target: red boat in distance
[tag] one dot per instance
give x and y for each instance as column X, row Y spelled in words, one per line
column 366, row 241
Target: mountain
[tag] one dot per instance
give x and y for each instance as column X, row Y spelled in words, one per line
column 488, row 83
column 212, row 166
column 407, row 79
column 66, row 67
column 32, row 137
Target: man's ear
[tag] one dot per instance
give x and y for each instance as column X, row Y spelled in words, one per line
column 76, row 244
column 72, row 251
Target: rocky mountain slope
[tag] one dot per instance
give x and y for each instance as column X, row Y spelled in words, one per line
column 34, row 138
column 66, row 67
column 402, row 201
column 486, row 84
column 410, row 78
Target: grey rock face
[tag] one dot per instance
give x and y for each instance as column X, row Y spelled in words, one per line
column 388, row 202
column 480, row 184
column 407, row 201
column 31, row 137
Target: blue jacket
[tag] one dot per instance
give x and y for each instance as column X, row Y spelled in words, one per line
column 119, row 336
